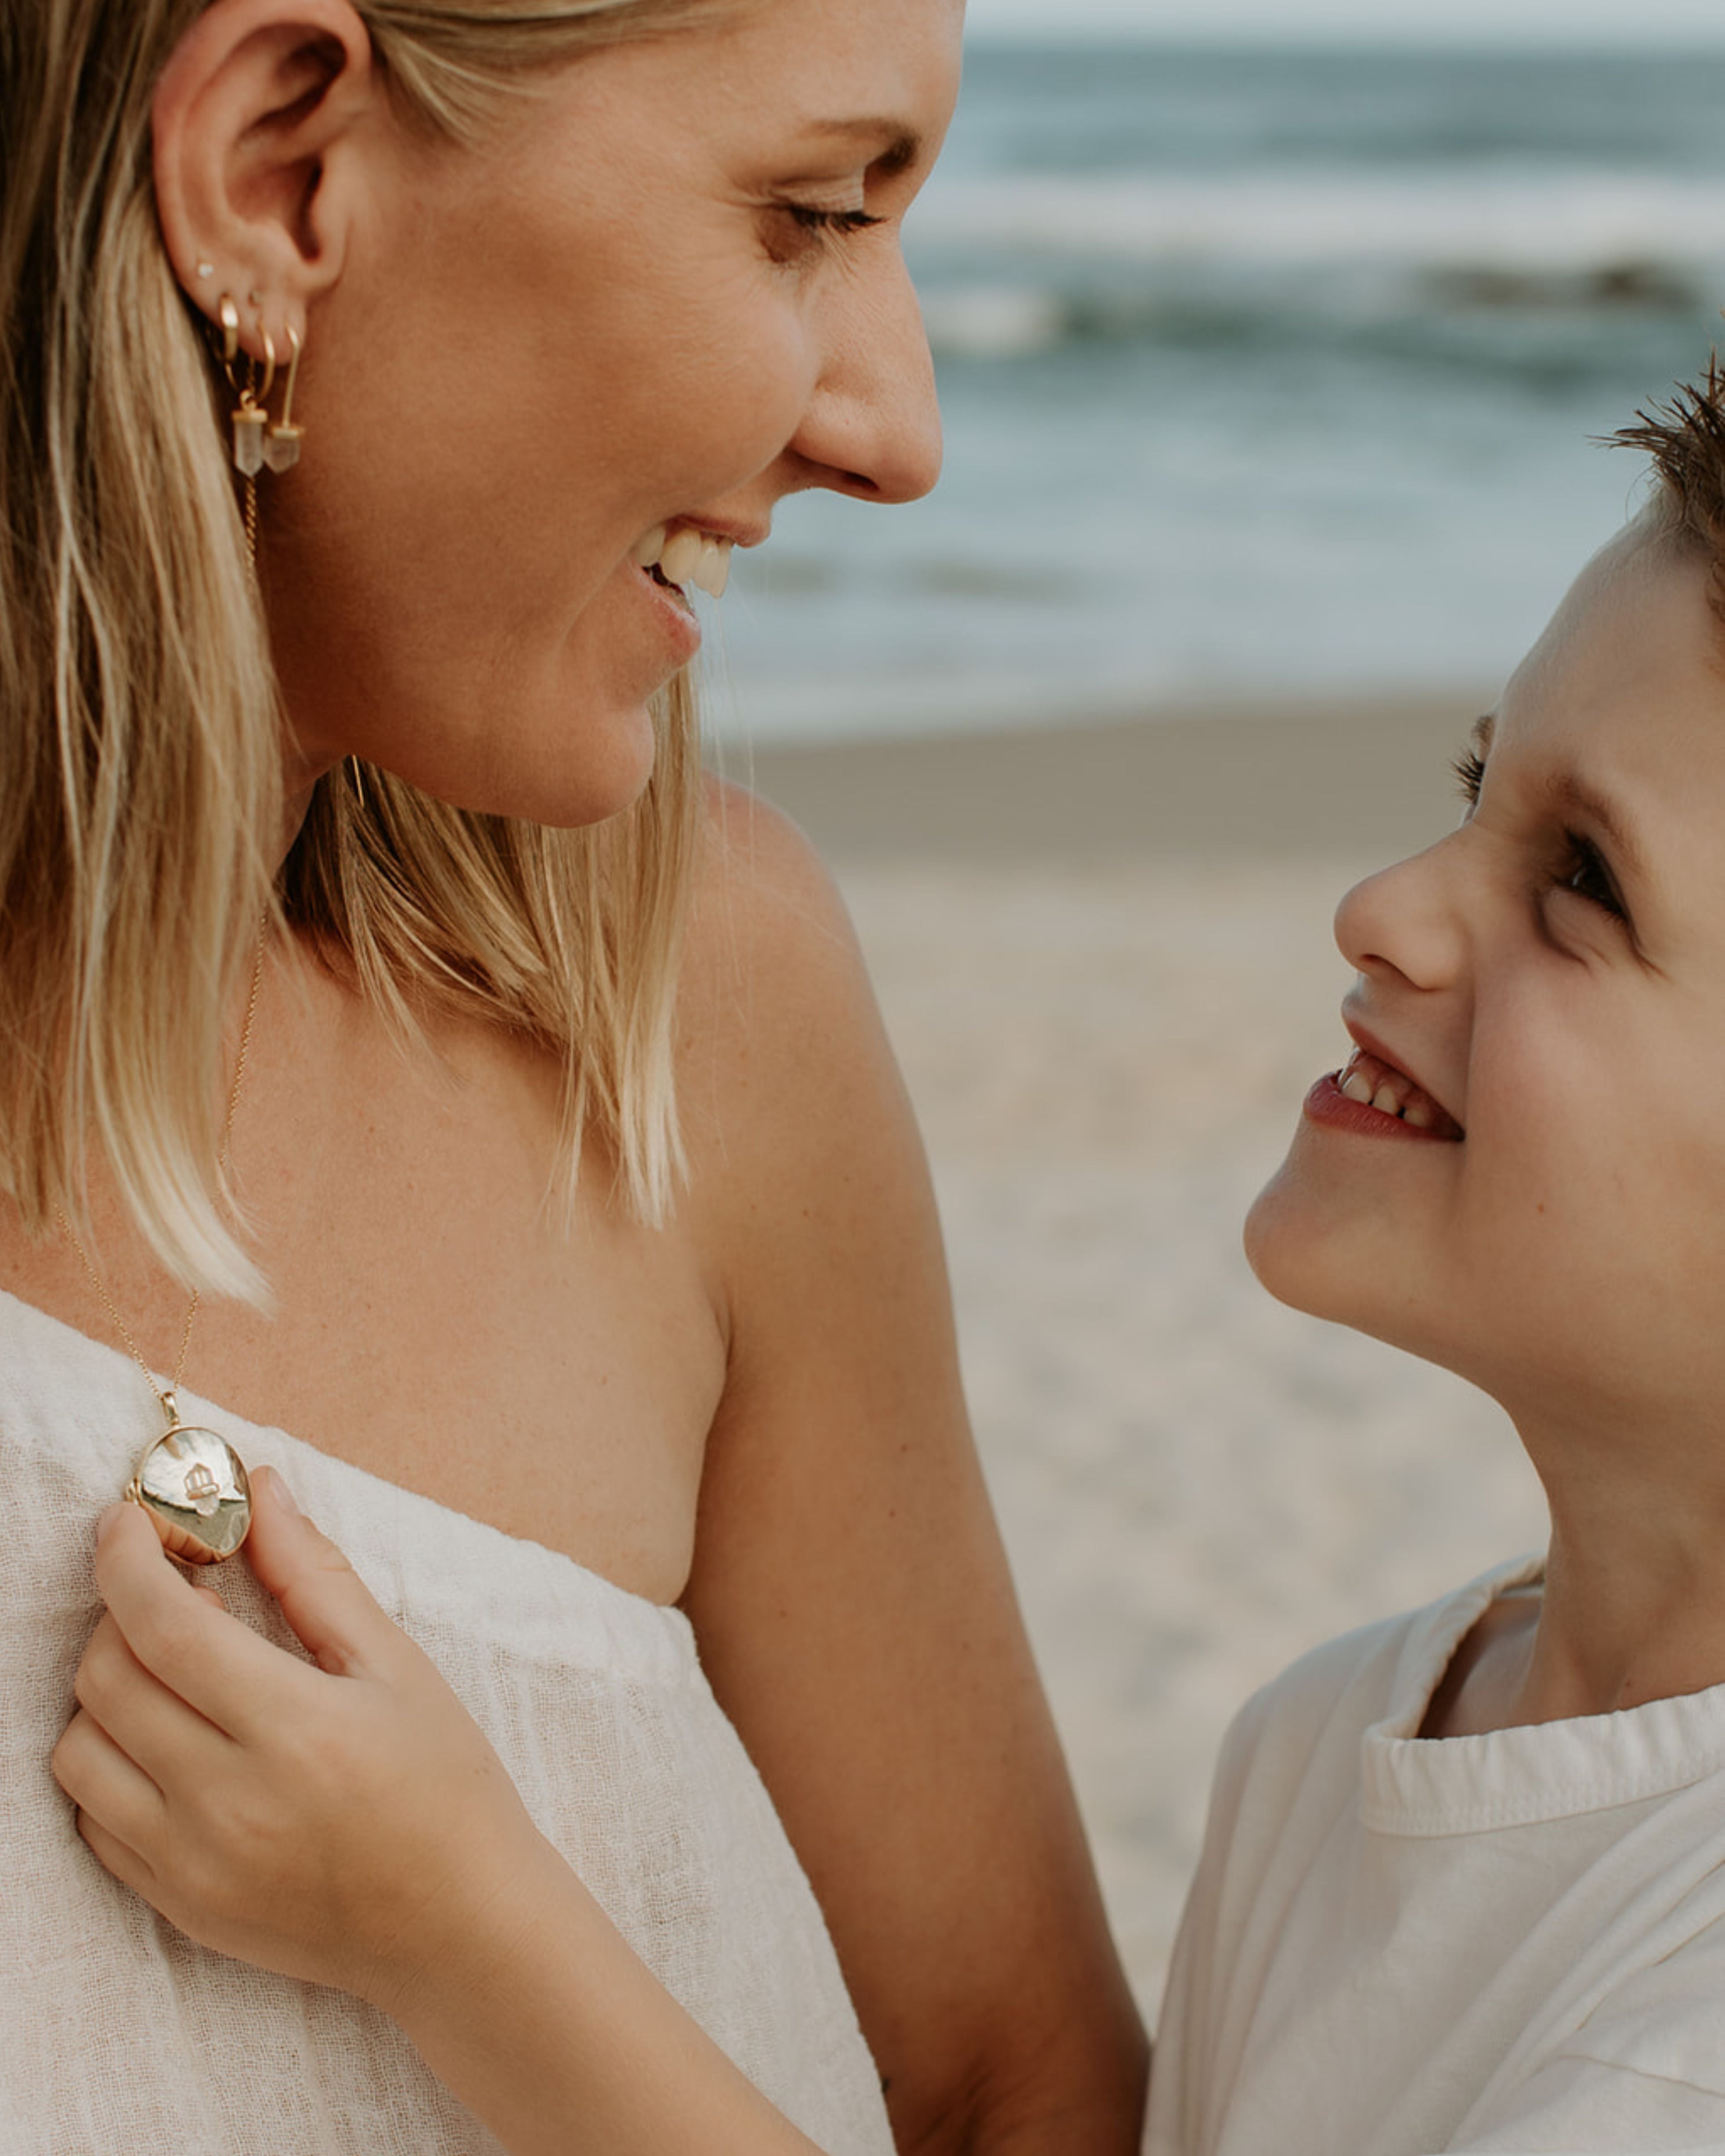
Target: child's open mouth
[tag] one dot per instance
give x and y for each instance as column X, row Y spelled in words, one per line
column 1374, row 1084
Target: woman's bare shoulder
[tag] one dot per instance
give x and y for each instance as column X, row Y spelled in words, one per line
column 762, row 892
column 776, row 1006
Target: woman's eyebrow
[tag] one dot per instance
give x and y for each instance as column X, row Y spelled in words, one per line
column 902, row 146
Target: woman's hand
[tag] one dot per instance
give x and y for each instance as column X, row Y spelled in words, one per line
column 347, row 1823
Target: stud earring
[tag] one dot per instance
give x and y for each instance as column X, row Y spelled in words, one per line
column 206, row 270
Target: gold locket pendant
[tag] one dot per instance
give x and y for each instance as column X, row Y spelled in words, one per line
column 193, row 1484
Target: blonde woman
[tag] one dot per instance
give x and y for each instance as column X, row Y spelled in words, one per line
column 534, row 1191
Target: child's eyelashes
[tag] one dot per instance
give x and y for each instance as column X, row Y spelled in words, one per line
column 1470, row 770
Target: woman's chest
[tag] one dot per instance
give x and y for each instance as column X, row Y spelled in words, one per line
column 442, row 1318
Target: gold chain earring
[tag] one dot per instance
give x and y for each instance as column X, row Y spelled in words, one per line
column 247, row 420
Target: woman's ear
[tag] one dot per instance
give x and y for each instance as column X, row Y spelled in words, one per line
column 257, row 124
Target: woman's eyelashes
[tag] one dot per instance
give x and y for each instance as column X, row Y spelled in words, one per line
column 838, row 221
column 800, row 227
column 1580, row 868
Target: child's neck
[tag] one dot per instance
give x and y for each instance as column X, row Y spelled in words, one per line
column 1633, row 1607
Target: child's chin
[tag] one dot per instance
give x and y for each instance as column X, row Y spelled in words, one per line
column 1300, row 1251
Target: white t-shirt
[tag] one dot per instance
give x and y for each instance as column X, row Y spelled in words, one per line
column 1396, row 1946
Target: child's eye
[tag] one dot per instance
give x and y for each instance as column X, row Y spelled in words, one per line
column 1583, row 871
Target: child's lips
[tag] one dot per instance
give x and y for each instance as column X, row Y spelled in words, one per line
column 1373, row 1083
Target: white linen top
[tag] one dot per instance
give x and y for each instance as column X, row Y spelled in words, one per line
column 117, row 2034
column 1396, row 1946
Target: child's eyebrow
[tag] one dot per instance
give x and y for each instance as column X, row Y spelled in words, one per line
column 1570, row 790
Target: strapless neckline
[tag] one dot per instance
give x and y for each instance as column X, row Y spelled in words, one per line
column 257, row 1442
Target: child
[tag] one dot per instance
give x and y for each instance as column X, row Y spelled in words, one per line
column 1465, row 1881
column 1463, row 1885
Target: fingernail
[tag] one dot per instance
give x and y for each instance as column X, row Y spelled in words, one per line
column 284, row 1496
column 104, row 1525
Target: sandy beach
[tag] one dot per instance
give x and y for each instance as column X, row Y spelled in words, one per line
column 1105, row 958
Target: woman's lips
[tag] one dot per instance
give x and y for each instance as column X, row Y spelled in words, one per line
column 676, row 617
column 1373, row 1099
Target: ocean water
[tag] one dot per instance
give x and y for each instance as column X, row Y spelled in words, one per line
column 1264, row 373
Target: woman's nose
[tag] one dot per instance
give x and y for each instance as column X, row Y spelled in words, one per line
column 1402, row 921
column 872, row 425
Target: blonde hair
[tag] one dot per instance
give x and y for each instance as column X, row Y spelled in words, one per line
column 140, row 759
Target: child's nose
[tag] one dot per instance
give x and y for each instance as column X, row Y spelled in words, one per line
column 1402, row 921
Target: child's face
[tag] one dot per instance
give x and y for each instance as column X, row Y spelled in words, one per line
column 1552, row 975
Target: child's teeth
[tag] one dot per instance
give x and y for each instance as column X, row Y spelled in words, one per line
column 1385, row 1099
column 1357, row 1088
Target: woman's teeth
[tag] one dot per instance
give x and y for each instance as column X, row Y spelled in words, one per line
column 686, row 556
column 1378, row 1085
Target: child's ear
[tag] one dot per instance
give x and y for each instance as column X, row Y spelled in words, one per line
column 259, row 154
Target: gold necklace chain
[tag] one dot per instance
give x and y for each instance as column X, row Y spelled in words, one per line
column 166, row 1395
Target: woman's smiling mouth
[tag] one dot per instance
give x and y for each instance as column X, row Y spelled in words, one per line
column 685, row 556
column 1371, row 1097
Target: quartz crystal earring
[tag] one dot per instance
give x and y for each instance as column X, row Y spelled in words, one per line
column 250, row 417
column 281, row 445
column 248, row 423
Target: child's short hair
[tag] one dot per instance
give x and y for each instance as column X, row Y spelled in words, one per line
column 1685, row 440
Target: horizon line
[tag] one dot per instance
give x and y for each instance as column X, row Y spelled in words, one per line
column 1608, row 41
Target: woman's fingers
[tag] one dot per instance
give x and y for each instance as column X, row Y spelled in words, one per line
column 116, row 1855
column 321, row 1596
column 151, row 1724
column 109, row 1788
column 180, row 1636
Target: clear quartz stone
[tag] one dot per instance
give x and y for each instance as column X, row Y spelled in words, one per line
column 281, row 448
column 248, row 440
